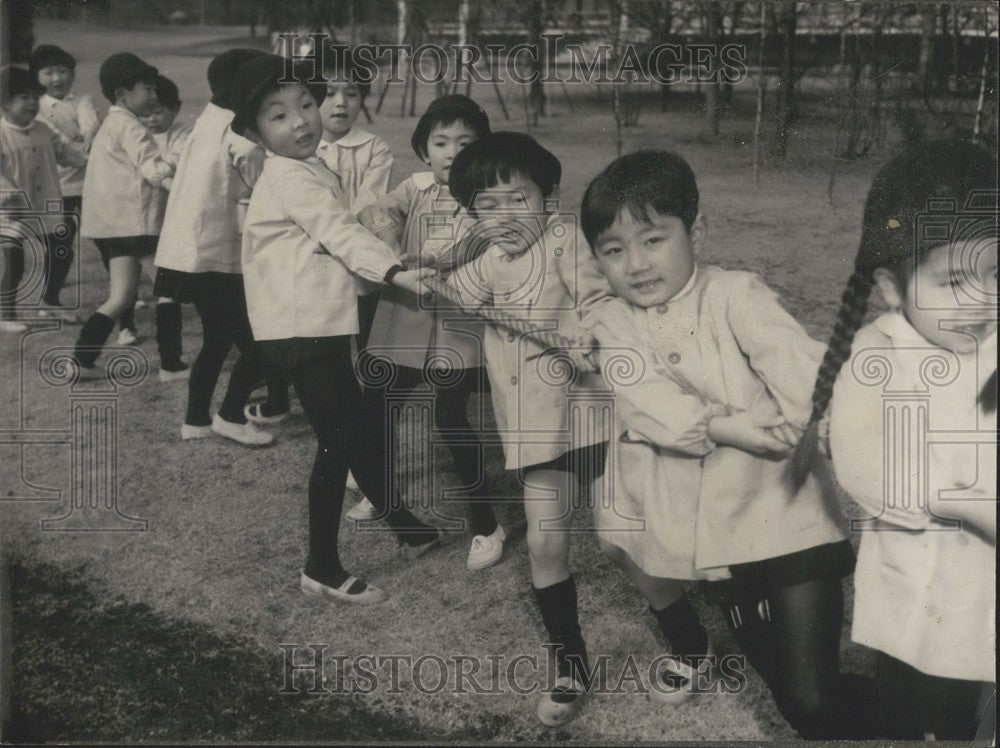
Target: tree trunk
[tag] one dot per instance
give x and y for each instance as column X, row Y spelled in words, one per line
column 17, row 30
column 665, row 36
column 713, row 32
column 928, row 30
column 788, row 20
column 539, row 62
column 761, row 85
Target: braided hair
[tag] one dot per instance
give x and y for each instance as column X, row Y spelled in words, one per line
column 950, row 170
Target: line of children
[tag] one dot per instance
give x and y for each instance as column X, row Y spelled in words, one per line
column 535, row 269
column 302, row 252
column 30, row 153
column 126, row 188
column 701, row 443
column 417, row 342
column 198, row 258
column 925, row 592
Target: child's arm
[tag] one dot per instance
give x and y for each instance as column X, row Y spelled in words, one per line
column 176, row 145
column 375, row 181
column 386, row 217
column 654, row 406
column 779, row 351
column 87, row 119
column 758, row 433
column 144, row 153
column 67, row 153
column 246, row 157
column 471, row 284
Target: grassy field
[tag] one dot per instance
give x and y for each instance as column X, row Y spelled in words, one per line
column 173, row 633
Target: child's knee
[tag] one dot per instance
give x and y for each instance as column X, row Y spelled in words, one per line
column 547, row 547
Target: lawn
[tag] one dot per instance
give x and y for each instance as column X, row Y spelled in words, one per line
column 175, row 633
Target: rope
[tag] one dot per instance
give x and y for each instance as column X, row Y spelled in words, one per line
column 545, row 338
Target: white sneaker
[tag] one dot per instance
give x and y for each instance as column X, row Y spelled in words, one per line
column 486, row 549
column 244, row 433
column 127, row 337
column 58, row 312
column 12, row 325
column 175, row 376
column 363, row 510
column 195, row 432
column 351, row 483
column 676, row 680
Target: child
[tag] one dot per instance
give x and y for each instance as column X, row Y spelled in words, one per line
column 29, row 154
column 701, row 440
column 169, row 133
column 125, row 190
column 532, row 271
column 302, row 250
column 198, row 258
column 925, row 593
column 72, row 116
column 419, row 343
column 362, row 161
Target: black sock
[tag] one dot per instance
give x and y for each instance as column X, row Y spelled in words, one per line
column 682, row 629
column 127, row 320
column 558, row 606
column 168, row 335
column 93, row 334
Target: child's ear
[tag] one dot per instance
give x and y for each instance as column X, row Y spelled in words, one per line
column 888, row 286
column 698, row 231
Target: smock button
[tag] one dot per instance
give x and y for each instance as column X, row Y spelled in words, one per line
column 674, row 358
column 513, row 380
column 662, row 308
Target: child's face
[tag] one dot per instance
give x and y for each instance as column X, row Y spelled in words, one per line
column 648, row 263
column 160, row 118
column 951, row 296
column 443, row 144
column 288, row 122
column 516, row 207
column 340, row 109
column 21, row 109
column 57, row 79
column 140, row 99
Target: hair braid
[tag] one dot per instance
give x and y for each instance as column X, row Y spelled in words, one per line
column 988, row 395
column 853, row 305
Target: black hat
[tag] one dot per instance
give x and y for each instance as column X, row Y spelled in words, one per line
column 167, row 93
column 449, row 109
column 48, row 55
column 121, row 68
column 15, row 81
column 259, row 76
column 222, row 71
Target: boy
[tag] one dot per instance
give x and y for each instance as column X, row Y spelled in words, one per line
column 125, row 194
column 170, row 133
column 72, row 116
column 303, row 253
column 29, row 154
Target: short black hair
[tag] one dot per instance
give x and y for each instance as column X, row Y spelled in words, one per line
column 494, row 158
column 445, row 111
column 644, row 180
column 340, row 66
column 167, row 93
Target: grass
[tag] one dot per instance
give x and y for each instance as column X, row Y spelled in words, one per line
column 174, row 633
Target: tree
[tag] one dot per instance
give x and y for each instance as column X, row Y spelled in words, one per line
column 787, row 20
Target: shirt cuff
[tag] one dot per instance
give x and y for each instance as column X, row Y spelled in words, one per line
column 391, row 273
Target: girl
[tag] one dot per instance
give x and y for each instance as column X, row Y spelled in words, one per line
column 532, row 271
column 125, row 192
column 419, row 343
column 302, row 251
column 933, row 632
column 701, row 441
column 198, row 259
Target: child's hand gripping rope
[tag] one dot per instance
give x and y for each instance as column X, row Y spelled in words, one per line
column 551, row 340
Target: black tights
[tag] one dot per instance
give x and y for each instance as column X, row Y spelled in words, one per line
column 792, row 638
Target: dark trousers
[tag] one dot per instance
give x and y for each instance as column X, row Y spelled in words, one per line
column 911, row 705
column 60, row 251
column 221, row 304
column 12, row 269
column 321, row 371
column 451, row 422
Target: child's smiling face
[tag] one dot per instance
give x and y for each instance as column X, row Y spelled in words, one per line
column 950, row 298
column 57, row 79
column 288, row 122
column 443, row 144
column 516, row 207
column 647, row 263
column 340, row 108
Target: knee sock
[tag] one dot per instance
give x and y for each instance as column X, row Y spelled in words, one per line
column 93, row 334
column 681, row 628
column 58, row 259
column 168, row 335
column 558, row 606
column 127, row 320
